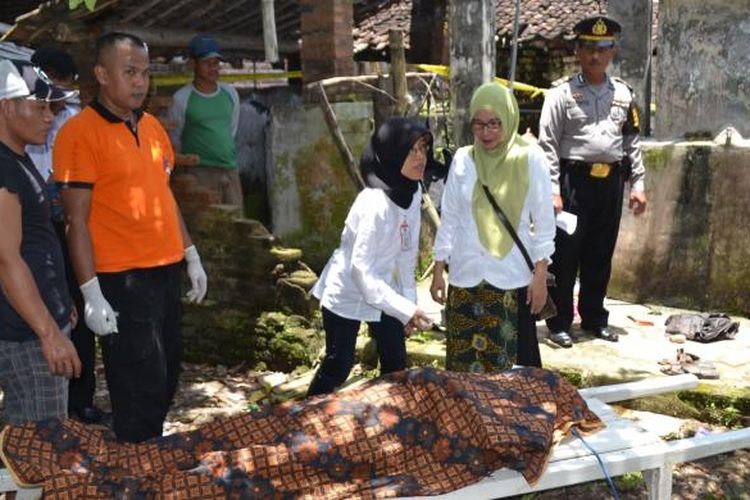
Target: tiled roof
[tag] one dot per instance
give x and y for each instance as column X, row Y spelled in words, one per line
column 540, row 19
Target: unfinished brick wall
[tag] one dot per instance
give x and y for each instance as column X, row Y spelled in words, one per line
column 327, row 42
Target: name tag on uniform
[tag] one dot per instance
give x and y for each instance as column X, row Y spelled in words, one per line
column 405, row 235
column 600, row 170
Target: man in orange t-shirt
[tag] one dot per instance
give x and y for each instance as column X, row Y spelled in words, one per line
column 126, row 237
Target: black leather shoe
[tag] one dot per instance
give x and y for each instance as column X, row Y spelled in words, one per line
column 88, row 415
column 562, row 339
column 604, row 334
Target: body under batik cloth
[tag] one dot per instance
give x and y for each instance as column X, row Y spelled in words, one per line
column 414, row 432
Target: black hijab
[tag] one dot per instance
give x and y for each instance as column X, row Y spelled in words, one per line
column 384, row 157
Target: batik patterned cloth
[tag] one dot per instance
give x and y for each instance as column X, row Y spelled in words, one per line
column 416, row 432
column 482, row 329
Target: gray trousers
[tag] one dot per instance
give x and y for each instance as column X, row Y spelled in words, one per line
column 31, row 392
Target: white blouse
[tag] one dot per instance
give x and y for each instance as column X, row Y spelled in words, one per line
column 372, row 270
column 457, row 240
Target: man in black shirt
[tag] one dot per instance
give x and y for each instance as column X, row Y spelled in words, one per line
column 36, row 356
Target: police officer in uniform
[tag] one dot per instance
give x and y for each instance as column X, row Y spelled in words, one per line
column 589, row 131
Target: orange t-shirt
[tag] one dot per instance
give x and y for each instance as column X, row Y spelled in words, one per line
column 133, row 219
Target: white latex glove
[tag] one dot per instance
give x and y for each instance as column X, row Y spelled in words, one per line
column 198, row 278
column 97, row 313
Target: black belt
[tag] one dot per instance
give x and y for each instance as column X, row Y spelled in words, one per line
column 600, row 170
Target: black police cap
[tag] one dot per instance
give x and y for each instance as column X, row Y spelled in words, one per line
column 600, row 31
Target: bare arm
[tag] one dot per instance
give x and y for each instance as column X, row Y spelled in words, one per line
column 22, row 293
column 186, row 239
column 77, row 205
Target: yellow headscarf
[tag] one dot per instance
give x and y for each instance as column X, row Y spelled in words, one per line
column 504, row 170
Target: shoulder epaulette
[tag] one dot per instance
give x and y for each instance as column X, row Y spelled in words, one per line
column 561, row 80
column 620, row 80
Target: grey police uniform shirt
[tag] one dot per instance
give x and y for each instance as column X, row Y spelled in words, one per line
column 584, row 122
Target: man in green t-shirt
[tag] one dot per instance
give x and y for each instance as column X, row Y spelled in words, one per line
column 205, row 115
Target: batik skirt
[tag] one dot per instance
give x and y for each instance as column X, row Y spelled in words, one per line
column 489, row 330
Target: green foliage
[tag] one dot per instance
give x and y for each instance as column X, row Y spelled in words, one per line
column 632, row 481
column 728, row 416
column 74, row 4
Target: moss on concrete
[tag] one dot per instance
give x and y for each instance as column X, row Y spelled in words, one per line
column 326, row 192
column 274, row 340
column 710, row 402
column 657, row 157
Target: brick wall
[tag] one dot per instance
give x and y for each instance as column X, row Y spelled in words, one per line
column 327, row 43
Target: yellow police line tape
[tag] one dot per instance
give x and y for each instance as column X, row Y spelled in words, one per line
column 521, row 87
column 174, row 79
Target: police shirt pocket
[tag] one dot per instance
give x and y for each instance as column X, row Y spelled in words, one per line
column 575, row 114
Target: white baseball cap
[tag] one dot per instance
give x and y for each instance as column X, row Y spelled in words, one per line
column 21, row 79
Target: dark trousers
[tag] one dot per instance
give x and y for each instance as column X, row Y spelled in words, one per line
column 598, row 205
column 527, row 353
column 341, row 339
column 142, row 360
column 81, row 389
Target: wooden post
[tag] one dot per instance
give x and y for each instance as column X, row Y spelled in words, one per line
column 338, row 136
column 398, row 72
column 633, row 59
column 472, row 48
column 382, row 105
column 269, row 32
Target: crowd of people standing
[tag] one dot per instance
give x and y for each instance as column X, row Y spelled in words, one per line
column 92, row 242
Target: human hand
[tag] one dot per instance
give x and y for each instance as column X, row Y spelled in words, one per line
column 198, row 278
column 637, row 202
column 536, row 294
column 97, row 313
column 420, row 321
column 61, row 355
column 437, row 287
column 557, row 203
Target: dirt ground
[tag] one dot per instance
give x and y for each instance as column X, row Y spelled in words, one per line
column 208, row 392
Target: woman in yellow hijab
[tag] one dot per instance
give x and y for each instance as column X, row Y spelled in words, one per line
column 493, row 294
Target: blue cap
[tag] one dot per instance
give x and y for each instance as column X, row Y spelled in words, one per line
column 203, row 46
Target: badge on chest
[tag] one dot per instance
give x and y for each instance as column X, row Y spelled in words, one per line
column 404, row 233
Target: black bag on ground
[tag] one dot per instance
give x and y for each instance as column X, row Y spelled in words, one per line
column 702, row 327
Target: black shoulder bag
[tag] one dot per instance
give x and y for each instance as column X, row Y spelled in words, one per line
column 549, row 310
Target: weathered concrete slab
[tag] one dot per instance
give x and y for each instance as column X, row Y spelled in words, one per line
column 691, row 248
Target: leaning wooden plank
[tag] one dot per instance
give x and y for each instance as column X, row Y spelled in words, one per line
column 684, row 450
column 641, row 388
column 505, row 482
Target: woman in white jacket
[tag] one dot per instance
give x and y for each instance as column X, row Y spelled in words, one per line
column 493, row 293
column 370, row 277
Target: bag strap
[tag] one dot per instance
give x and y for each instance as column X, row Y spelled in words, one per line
column 508, row 226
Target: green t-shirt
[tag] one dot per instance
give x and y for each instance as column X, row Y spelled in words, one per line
column 207, row 130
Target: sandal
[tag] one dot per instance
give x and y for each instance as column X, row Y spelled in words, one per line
column 671, row 367
column 702, row 370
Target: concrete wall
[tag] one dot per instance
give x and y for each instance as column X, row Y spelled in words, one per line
column 472, row 58
column 703, row 80
column 691, row 248
column 632, row 61
column 310, row 189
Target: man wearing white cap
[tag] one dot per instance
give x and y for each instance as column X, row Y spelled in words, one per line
column 36, row 356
